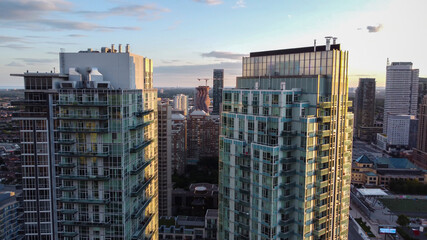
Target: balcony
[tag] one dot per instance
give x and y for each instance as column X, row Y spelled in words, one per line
column 66, row 165
column 286, row 197
column 68, row 234
column 322, row 172
column 140, row 125
column 321, row 196
column 67, row 211
column 319, row 232
column 323, row 159
column 325, row 119
column 83, row 130
column 286, row 210
column 140, row 146
column 85, row 177
column 81, row 103
column 142, row 226
column 288, row 160
column 82, row 117
column 28, row 102
column 66, row 141
column 143, row 113
column 86, row 223
column 325, row 105
column 322, row 184
column 68, row 188
column 141, row 208
column 321, row 208
column 285, row 222
column 83, row 154
column 84, row 200
column 324, row 133
column 288, row 147
column 140, row 167
column 320, row 219
column 136, row 190
column 287, row 185
column 287, row 172
column 325, row 147
column 290, row 133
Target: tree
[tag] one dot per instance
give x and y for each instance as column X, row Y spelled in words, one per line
column 403, row 220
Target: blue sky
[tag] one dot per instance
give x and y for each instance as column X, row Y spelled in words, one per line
column 188, row 38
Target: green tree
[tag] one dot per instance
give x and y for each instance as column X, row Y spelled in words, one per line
column 403, row 220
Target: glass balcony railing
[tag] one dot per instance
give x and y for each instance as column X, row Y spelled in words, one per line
column 68, row 234
column 141, row 228
column 140, row 125
column 84, row 200
column 81, row 103
column 141, row 208
column 68, row 188
column 82, row 117
column 83, row 130
column 136, row 190
column 66, row 165
column 87, row 222
column 137, row 169
column 84, row 177
column 143, row 113
column 66, row 141
column 140, row 146
column 83, row 154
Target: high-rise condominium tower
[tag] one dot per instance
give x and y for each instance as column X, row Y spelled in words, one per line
column 285, row 147
column 218, row 85
column 420, row 153
column 364, row 108
column 165, row 158
column 202, row 100
column 89, row 137
column 401, row 94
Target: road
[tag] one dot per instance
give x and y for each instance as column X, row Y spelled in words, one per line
column 352, row 232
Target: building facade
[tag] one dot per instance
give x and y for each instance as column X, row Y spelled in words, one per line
column 364, row 110
column 401, row 130
column 90, row 137
column 165, row 158
column 10, row 216
column 401, row 96
column 285, row 147
column 218, row 85
column 179, row 143
column 180, row 102
column 203, row 133
column 420, row 152
column 202, row 100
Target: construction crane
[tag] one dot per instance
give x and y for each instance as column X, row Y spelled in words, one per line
column 205, row 79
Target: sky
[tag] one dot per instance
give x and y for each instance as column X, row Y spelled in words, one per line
column 187, row 39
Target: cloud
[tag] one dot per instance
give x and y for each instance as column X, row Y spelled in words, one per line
column 27, row 10
column 15, row 64
column 174, row 25
column 224, row 55
column 186, row 75
column 15, row 46
column 4, row 39
column 210, row 2
column 138, row 11
column 170, row 61
column 374, row 29
column 36, row 15
column 240, row 4
column 37, row 61
column 76, row 35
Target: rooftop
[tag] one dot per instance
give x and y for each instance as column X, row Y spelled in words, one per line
column 372, row 192
column 364, row 159
column 394, row 163
column 294, row 50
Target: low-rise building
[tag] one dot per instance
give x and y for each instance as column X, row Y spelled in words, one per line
column 381, row 171
column 196, row 200
column 189, row 227
column 10, row 214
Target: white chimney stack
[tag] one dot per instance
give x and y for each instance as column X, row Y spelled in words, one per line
column 334, row 40
column 328, row 43
column 120, row 48
column 127, row 48
column 112, row 48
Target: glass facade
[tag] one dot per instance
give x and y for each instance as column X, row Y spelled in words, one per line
column 285, row 149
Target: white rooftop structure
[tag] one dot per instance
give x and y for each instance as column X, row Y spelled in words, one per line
column 371, row 192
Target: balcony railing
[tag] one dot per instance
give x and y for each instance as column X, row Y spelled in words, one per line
column 141, row 208
column 136, row 190
column 81, row 103
column 66, row 165
column 140, row 146
column 84, row 200
column 142, row 226
column 85, row 177
column 83, row 130
column 288, row 147
column 87, row 223
column 140, row 125
column 143, row 113
column 83, row 154
column 82, row 117
column 68, row 234
column 140, row 167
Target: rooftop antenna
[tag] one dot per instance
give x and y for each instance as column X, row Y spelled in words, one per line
column 205, row 79
column 388, row 62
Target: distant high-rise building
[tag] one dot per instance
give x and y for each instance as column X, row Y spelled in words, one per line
column 286, row 146
column 179, row 143
column 165, row 158
column 364, row 109
column 89, row 137
column 180, row 102
column 422, row 89
column 202, row 100
column 420, row 153
column 401, row 130
column 203, row 133
column 10, row 216
column 401, row 97
column 218, row 85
